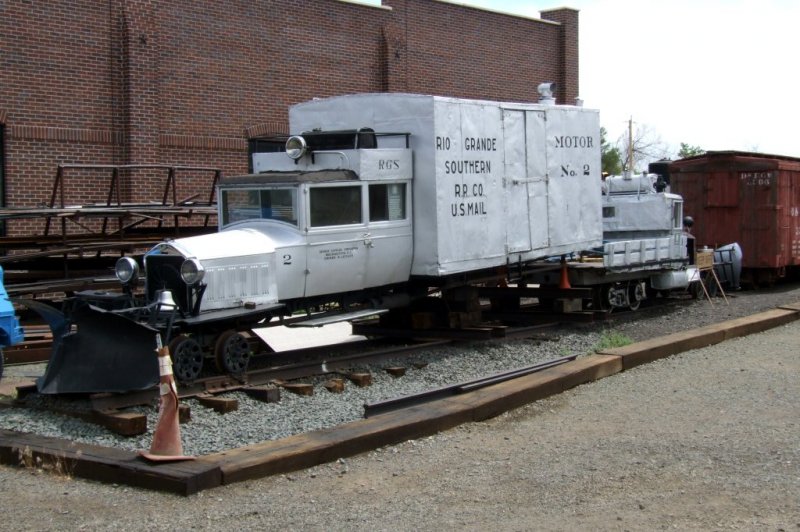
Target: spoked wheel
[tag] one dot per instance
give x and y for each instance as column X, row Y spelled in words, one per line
column 187, row 358
column 636, row 293
column 232, row 353
column 602, row 298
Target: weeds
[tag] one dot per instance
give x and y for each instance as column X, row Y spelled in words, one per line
column 612, row 339
column 58, row 465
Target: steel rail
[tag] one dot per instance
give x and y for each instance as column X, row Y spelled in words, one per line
column 381, row 407
column 259, row 377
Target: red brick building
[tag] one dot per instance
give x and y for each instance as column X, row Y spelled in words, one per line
column 174, row 82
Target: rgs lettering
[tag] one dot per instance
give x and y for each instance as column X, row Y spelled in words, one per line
column 388, row 164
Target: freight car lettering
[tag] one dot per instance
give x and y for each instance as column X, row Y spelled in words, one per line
column 468, row 167
column 338, row 253
column 388, row 164
column 468, row 208
column 442, row 143
column 480, row 143
column 568, row 171
column 462, row 191
column 574, row 141
column 754, row 179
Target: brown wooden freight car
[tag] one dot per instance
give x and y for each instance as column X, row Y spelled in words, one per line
column 749, row 198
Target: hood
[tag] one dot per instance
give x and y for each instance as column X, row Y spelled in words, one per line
column 231, row 243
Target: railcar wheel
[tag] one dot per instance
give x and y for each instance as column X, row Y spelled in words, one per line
column 636, row 293
column 604, row 295
column 187, row 358
column 232, row 353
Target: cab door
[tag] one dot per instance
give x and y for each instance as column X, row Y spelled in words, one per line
column 389, row 244
column 337, row 239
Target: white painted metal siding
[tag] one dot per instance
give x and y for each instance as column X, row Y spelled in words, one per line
column 461, row 187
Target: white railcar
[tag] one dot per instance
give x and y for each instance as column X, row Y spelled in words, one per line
column 375, row 198
column 466, row 187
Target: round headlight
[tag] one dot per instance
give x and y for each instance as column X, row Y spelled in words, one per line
column 126, row 270
column 296, row 147
column 192, row 271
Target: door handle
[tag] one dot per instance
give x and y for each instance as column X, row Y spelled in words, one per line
column 368, row 240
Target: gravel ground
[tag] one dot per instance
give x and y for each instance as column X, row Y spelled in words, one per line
column 704, row 440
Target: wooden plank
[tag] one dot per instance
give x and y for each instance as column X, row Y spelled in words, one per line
column 499, row 398
column 306, row 450
column 106, row 464
column 649, row 350
column 791, row 306
column 309, row 449
column 759, row 322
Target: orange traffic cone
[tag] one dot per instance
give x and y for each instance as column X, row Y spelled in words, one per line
column 166, row 444
column 564, row 283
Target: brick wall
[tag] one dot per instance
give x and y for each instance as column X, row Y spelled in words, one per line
column 174, row 82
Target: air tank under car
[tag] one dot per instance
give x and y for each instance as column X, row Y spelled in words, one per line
column 376, row 198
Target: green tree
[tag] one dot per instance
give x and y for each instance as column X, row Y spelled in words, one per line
column 610, row 158
column 689, row 151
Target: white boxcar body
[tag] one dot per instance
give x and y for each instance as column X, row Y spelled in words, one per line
column 493, row 183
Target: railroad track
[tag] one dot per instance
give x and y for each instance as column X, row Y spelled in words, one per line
column 38, row 341
column 269, row 374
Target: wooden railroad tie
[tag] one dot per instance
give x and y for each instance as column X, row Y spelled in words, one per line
column 361, row 380
column 334, row 385
column 223, row 405
column 396, row 371
column 267, row 394
column 299, row 388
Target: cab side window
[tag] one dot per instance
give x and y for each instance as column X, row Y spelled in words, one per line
column 387, row 202
column 335, row 205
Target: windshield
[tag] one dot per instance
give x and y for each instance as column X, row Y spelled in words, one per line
column 254, row 204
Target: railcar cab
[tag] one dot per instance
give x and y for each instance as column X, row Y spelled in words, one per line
column 336, row 204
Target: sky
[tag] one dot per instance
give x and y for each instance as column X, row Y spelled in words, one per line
column 716, row 74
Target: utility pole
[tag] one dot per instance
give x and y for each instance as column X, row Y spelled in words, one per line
column 630, row 146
